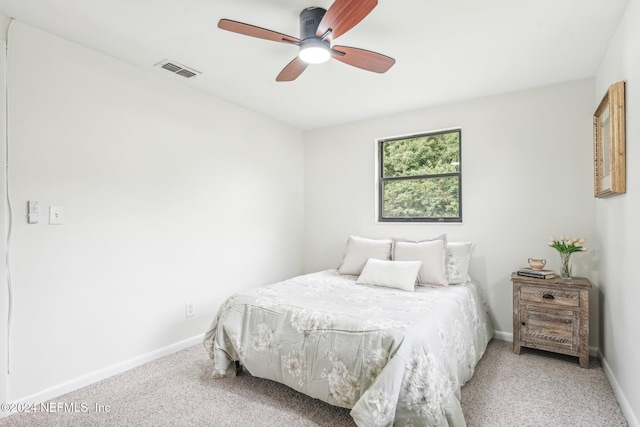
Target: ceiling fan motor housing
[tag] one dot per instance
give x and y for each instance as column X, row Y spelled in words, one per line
column 313, row 49
column 309, row 20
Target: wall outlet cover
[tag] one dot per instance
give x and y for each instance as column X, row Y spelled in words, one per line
column 189, row 309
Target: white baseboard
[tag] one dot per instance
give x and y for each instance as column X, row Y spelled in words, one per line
column 503, row 336
column 622, row 400
column 109, row 371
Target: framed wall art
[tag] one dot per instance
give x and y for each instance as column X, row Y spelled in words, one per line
column 609, row 143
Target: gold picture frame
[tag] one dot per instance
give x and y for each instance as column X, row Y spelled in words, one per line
column 609, row 144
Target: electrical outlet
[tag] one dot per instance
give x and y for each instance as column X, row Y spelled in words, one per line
column 189, row 309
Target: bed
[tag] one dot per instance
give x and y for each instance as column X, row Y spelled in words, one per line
column 393, row 356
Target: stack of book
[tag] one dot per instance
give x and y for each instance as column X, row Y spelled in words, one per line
column 536, row 274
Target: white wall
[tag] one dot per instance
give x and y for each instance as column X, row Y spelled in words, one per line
column 526, row 175
column 169, row 194
column 164, row 205
column 4, row 290
column 618, row 227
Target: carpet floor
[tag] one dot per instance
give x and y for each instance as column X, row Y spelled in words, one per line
column 534, row 388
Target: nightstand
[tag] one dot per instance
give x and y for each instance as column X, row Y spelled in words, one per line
column 552, row 315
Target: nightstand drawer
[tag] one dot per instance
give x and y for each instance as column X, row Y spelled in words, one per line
column 550, row 296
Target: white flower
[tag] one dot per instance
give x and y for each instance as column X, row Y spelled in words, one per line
column 375, row 363
column 383, row 407
column 343, row 386
column 426, row 387
column 262, row 338
column 568, row 245
column 295, row 365
column 309, row 320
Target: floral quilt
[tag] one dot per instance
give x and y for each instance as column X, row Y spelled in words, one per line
column 394, row 357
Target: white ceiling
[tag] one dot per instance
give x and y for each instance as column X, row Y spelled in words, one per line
column 445, row 50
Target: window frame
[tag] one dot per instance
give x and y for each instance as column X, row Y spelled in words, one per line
column 381, row 180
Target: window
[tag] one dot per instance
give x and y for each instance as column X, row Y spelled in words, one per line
column 420, row 178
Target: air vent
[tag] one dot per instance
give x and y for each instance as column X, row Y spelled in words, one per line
column 185, row 73
column 171, row 67
column 178, row 69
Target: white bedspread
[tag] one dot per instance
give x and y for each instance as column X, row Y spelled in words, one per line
column 393, row 357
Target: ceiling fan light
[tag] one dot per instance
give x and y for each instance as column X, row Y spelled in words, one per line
column 314, row 52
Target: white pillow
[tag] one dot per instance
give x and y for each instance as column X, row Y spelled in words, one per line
column 458, row 255
column 359, row 250
column 432, row 254
column 391, row 274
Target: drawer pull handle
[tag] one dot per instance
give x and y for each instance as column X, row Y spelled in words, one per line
column 548, row 296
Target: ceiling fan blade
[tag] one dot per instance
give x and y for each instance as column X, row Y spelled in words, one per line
column 253, row 31
column 343, row 15
column 361, row 58
column 292, row 71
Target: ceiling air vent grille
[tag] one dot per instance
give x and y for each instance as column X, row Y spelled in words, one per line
column 178, row 69
column 185, row 73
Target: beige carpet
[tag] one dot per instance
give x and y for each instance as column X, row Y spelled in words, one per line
column 537, row 388
column 532, row 389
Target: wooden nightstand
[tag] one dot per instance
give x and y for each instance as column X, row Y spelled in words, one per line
column 552, row 315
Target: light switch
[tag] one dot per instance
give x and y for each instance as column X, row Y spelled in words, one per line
column 56, row 215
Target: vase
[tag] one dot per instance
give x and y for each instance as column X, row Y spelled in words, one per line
column 565, row 265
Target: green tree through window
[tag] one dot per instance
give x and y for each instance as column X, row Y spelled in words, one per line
column 420, row 178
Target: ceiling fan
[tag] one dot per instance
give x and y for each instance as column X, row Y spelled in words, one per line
column 318, row 29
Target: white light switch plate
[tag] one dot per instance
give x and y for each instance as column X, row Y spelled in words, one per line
column 56, row 215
